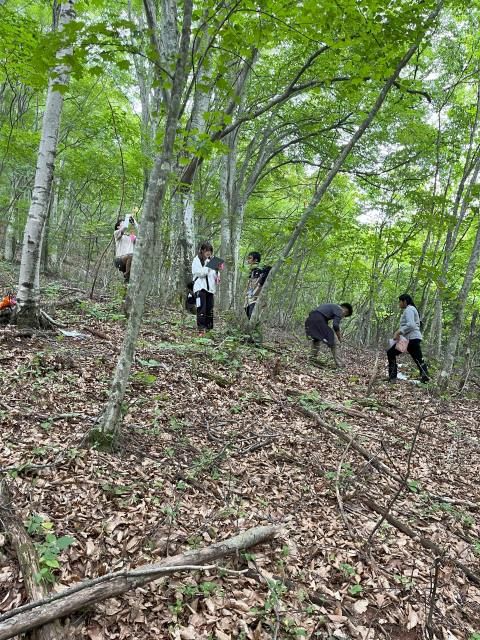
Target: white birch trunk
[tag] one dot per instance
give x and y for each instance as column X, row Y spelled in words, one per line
column 190, row 237
column 28, row 296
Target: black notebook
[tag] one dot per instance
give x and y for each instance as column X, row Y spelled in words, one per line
column 215, row 263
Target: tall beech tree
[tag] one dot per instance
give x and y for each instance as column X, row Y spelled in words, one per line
column 159, row 179
column 324, row 185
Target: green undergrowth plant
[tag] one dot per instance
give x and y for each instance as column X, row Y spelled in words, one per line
column 104, row 312
column 144, row 378
column 459, row 515
column 49, row 547
column 312, row 400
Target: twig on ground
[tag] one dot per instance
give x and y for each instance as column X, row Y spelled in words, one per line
column 403, row 484
column 433, row 593
column 337, row 489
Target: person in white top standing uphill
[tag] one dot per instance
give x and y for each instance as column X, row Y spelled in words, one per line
column 410, row 330
column 124, row 244
column 204, row 287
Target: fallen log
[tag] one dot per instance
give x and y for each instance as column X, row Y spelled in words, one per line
column 27, row 559
column 425, row 542
column 88, row 592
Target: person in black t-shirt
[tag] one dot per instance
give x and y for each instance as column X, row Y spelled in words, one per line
column 256, row 280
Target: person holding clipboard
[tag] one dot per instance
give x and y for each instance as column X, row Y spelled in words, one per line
column 205, row 279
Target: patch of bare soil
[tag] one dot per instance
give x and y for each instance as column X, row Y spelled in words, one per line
column 219, row 436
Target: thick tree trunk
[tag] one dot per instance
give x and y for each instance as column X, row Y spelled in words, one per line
column 459, row 314
column 28, row 296
column 322, row 189
column 107, row 431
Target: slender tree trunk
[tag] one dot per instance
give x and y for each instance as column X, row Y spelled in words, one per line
column 175, row 258
column 227, row 188
column 197, row 126
column 107, row 431
column 436, row 329
column 469, row 351
column 9, row 244
column 322, row 189
column 10, row 240
column 189, row 235
column 459, row 314
column 462, row 199
column 28, row 296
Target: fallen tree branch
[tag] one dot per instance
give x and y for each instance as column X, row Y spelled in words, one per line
column 375, row 462
column 345, row 437
column 425, row 542
column 88, row 592
column 27, row 559
column 403, row 485
column 332, row 406
column 95, row 332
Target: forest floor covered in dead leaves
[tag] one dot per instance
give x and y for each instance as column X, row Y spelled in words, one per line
column 215, row 440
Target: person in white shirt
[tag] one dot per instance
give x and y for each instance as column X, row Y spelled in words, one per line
column 124, row 244
column 204, row 287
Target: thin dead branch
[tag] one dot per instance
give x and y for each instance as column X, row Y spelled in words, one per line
column 426, row 543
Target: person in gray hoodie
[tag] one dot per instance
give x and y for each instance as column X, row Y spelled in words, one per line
column 409, row 329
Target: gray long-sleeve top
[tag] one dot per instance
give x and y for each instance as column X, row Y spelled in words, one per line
column 410, row 323
column 331, row 311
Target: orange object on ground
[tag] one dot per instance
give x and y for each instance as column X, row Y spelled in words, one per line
column 8, row 301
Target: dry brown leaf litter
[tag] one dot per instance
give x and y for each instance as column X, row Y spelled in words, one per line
column 200, row 461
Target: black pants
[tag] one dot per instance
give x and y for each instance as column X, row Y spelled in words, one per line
column 204, row 310
column 415, row 350
column 249, row 309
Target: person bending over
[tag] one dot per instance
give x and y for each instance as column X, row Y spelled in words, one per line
column 410, row 330
column 316, row 328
